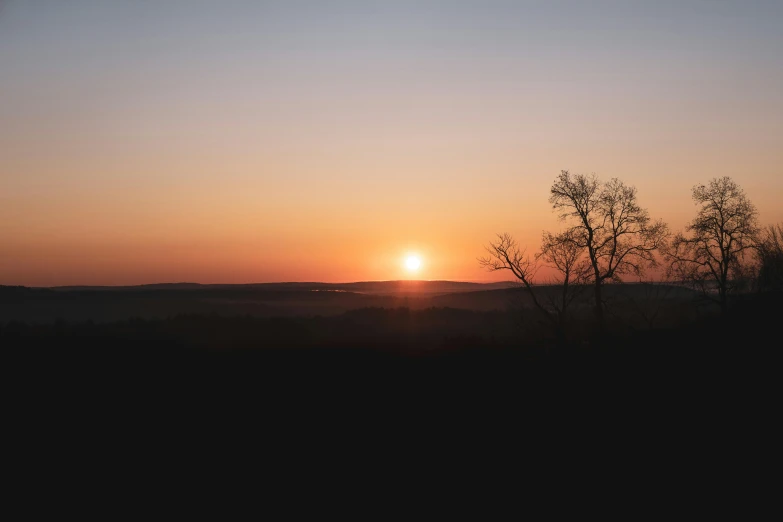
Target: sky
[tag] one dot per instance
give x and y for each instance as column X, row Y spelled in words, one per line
column 145, row 141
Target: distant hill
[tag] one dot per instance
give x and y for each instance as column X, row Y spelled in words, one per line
column 288, row 299
column 363, row 287
column 112, row 303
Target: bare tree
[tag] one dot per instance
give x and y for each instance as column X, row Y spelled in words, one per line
column 505, row 254
column 564, row 253
column 714, row 245
column 769, row 255
column 607, row 221
column 560, row 252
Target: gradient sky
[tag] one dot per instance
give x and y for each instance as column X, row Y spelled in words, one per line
column 146, row 141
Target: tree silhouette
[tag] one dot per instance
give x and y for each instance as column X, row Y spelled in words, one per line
column 607, row 221
column 563, row 253
column 557, row 251
column 505, row 254
column 714, row 245
column 769, row 254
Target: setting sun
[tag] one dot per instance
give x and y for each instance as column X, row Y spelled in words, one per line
column 412, row 263
column 307, row 206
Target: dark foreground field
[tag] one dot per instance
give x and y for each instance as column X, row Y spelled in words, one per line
column 655, row 344
column 381, row 392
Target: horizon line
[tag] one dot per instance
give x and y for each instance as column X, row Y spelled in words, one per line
column 139, row 285
column 274, row 283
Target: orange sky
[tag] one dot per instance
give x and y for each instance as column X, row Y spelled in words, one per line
column 144, row 143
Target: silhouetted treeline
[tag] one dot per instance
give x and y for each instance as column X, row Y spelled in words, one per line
column 610, row 238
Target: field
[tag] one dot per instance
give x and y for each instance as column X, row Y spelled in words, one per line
column 180, row 371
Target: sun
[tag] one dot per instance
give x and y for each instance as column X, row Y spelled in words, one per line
column 412, row 263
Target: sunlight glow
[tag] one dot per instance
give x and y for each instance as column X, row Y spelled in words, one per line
column 413, row 263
